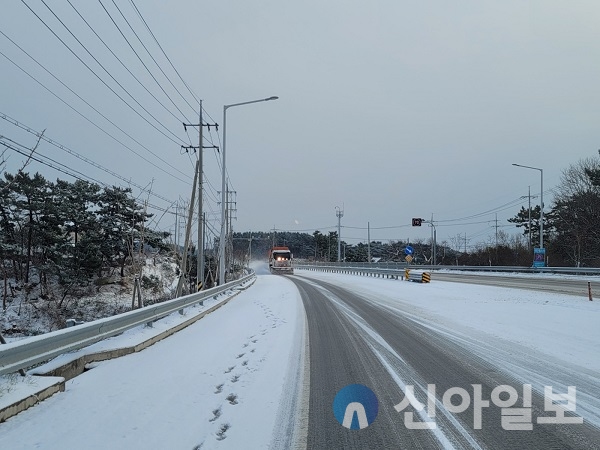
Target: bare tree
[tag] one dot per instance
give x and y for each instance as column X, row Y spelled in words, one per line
column 575, row 180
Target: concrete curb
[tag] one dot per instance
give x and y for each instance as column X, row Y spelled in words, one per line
column 31, row 400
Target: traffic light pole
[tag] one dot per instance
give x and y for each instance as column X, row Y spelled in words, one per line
column 416, row 222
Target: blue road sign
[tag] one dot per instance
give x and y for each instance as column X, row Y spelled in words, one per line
column 539, row 257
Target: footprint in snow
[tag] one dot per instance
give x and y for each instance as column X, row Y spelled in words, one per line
column 216, row 414
column 232, row 399
column 222, row 430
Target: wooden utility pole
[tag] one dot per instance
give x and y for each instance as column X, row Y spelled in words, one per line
column 188, row 230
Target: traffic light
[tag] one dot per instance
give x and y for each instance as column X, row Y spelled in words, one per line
column 416, row 222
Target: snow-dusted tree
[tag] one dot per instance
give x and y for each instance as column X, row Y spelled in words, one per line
column 80, row 256
column 120, row 221
column 30, row 202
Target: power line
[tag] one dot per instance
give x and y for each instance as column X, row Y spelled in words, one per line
column 376, row 228
column 136, row 53
column 168, row 59
column 85, row 117
column 490, row 211
column 66, row 170
column 77, row 155
column 124, row 66
column 107, row 72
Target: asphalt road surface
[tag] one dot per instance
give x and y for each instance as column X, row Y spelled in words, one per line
column 359, row 340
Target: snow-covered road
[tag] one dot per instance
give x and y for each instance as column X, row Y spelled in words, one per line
column 236, row 378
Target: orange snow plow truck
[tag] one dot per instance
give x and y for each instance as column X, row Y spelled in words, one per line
column 280, row 260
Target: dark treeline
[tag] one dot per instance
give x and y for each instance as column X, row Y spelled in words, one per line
column 324, row 247
column 571, row 234
column 68, row 233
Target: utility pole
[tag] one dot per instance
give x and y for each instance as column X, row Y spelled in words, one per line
column 529, row 212
column 176, row 225
column 433, row 241
column 230, row 216
column 369, row 241
column 200, row 147
column 417, row 222
column 228, row 244
column 339, row 213
column 249, row 250
column 496, row 238
column 188, row 231
column 203, row 243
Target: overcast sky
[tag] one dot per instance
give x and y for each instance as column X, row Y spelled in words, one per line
column 388, row 109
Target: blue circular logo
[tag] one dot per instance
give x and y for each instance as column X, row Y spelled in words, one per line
column 355, row 406
column 408, row 250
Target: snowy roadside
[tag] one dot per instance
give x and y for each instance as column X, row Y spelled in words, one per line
column 543, row 275
column 216, row 384
column 27, row 314
column 14, row 387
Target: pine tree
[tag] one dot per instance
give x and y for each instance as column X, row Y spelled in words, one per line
column 121, row 221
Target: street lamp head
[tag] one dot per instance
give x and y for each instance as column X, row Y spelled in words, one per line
column 528, row 167
column 271, row 98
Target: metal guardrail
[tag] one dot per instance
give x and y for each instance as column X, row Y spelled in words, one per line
column 370, row 271
column 363, row 266
column 28, row 352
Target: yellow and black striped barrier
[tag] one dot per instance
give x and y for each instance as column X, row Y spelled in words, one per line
column 417, row 276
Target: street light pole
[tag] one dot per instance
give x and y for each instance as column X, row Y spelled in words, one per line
column 339, row 213
column 541, row 201
column 224, row 187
